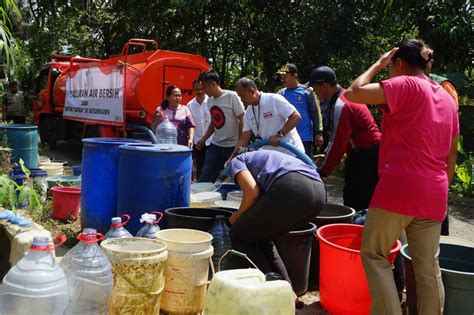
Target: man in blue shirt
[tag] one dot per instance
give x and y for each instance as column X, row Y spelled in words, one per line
column 310, row 127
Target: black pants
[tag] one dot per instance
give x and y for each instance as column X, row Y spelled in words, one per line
column 16, row 119
column 198, row 158
column 216, row 157
column 290, row 203
column 360, row 177
column 308, row 148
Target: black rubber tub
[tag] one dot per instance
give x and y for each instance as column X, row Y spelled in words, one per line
column 193, row 218
column 331, row 213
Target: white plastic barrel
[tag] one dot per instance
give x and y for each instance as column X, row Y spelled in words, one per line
column 205, row 199
column 202, row 187
column 245, row 291
column 235, row 195
column 231, row 204
column 186, row 270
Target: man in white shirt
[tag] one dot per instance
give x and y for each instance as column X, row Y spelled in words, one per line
column 269, row 115
column 202, row 119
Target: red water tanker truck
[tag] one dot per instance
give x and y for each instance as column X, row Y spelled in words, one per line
column 115, row 97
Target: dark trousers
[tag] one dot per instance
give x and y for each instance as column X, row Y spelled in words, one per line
column 198, row 158
column 308, row 148
column 360, row 177
column 16, row 119
column 445, row 225
column 214, row 161
column 290, row 203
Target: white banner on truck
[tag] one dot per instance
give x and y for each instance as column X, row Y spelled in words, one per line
column 92, row 95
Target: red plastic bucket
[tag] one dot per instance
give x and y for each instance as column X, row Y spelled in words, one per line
column 342, row 284
column 66, row 202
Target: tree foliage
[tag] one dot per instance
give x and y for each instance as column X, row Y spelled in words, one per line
column 253, row 37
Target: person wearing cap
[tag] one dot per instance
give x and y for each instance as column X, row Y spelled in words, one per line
column 268, row 115
column 310, row 127
column 353, row 132
column 227, row 113
column 418, row 152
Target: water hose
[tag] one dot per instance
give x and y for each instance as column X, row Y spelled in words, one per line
column 293, row 149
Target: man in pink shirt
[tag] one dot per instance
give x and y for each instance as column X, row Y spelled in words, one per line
column 418, row 151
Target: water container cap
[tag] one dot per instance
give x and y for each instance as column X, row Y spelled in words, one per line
column 151, row 217
column 117, row 221
column 15, row 219
column 6, row 215
column 25, row 223
column 148, row 218
column 89, row 235
column 41, row 243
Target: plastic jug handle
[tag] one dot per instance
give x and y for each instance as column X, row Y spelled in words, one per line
column 160, row 216
column 127, row 218
column 237, row 253
column 86, row 237
column 61, row 238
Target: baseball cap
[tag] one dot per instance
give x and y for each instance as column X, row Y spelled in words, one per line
column 322, row 74
column 288, row 68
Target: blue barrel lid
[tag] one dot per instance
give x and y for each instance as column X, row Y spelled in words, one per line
column 18, row 126
column 111, row 141
column 17, row 173
column 155, row 148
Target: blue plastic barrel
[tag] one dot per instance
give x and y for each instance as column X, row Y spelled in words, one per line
column 23, row 139
column 152, row 178
column 100, row 157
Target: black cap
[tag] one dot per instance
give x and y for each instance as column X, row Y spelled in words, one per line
column 322, row 74
column 288, row 68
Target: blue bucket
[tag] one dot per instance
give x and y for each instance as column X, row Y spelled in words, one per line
column 100, row 157
column 152, row 178
column 23, row 140
column 226, row 188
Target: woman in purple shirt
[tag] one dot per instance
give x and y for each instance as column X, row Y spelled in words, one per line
column 280, row 194
column 179, row 115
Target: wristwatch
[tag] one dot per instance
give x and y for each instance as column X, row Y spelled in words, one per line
column 281, row 133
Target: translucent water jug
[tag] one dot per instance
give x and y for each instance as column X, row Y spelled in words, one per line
column 151, row 226
column 166, row 132
column 117, row 229
column 220, row 241
column 247, row 291
column 36, row 284
column 89, row 275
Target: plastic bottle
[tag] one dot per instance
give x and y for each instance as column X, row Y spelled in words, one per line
column 116, row 228
column 36, row 284
column 166, row 132
column 151, row 226
column 220, row 241
column 89, row 275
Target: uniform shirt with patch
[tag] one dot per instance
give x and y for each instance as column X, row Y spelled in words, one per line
column 268, row 117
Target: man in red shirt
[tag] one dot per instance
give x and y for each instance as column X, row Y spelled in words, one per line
column 353, row 131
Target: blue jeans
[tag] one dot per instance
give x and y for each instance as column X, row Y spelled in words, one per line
column 216, row 156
